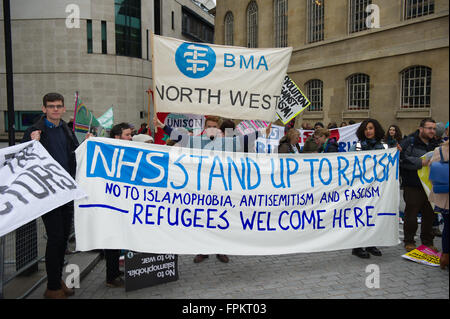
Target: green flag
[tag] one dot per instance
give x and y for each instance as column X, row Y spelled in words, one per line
column 107, row 119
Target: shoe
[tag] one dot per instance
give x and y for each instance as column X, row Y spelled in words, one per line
column 67, row 291
column 54, row 294
column 200, row 258
column 374, row 251
column 361, row 253
column 443, row 262
column 409, row 247
column 116, row 283
column 223, row 258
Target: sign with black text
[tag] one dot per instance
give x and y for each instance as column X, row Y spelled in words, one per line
column 145, row 270
column 292, row 101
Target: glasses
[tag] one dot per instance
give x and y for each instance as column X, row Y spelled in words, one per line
column 58, row 106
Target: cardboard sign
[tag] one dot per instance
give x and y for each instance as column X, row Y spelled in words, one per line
column 292, row 101
column 145, row 270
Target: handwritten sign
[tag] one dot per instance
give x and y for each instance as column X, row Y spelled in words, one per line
column 159, row 199
column 146, row 270
column 292, row 101
column 32, row 184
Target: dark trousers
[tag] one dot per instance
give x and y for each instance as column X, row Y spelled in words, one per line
column 112, row 264
column 58, row 223
column 417, row 201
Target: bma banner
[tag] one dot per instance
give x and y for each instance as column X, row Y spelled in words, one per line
column 32, row 184
column 172, row 200
column 205, row 79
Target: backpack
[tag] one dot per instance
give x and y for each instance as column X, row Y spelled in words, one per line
column 439, row 175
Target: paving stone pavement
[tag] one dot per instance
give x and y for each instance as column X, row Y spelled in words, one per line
column 326, row 275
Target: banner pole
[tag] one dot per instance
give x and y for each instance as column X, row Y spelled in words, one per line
column 2, row 265
column 153, row 78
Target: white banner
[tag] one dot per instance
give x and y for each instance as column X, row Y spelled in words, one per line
column 32, row 184
column 345, row 137
column 207, row 79
column 159, row 199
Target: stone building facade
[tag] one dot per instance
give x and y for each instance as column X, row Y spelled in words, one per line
column 390, row 63
column 106, row 58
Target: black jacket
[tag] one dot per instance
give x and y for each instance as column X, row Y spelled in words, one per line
column 72, row 142
column 412, row 149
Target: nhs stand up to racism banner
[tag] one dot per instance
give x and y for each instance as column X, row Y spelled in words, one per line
column 159, row 199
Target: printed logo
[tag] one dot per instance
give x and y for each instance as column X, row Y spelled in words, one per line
column 195, row 60
column 127, row 164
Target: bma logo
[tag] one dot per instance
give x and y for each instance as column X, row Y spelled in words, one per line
column 195, row 60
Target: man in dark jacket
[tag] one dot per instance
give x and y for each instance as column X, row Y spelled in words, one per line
column 413, row 148
column 60, row 142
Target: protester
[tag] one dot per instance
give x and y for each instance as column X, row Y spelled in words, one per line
column 227, row 127
column 370, row 135
column 310, row 146
column 393, row 136
column 413, row 148
column 441, row 202
column 121, row 131
column 143, row 129
column 324, row 142
column 343, row 124
column 332, row 125
column 289, row 142
column 60, row 141
column 210, row 133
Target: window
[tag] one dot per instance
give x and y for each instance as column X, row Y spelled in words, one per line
column 104, row 38
column 358, row 91
column 416, row 87
column 157, row 16
column 315, row 20
column 195, row 27
column 417, row 8
column 128, row 28
column 252, row 25
column 89, row 36
column 314, row 92
column 280, row 23
column 229, row 26
column 358, row 15
column 23, row 119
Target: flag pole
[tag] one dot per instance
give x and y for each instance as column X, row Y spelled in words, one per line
column 75, row 111
column 153, row 78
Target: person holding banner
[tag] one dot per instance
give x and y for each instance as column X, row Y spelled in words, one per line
column 60, row 141
column 370, row 137
column 324, row 142
column 120, row 131
column 413, row 148
column 442, row 203
column 289, row 142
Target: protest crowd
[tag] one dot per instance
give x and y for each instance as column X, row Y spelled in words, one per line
column 59, row 140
